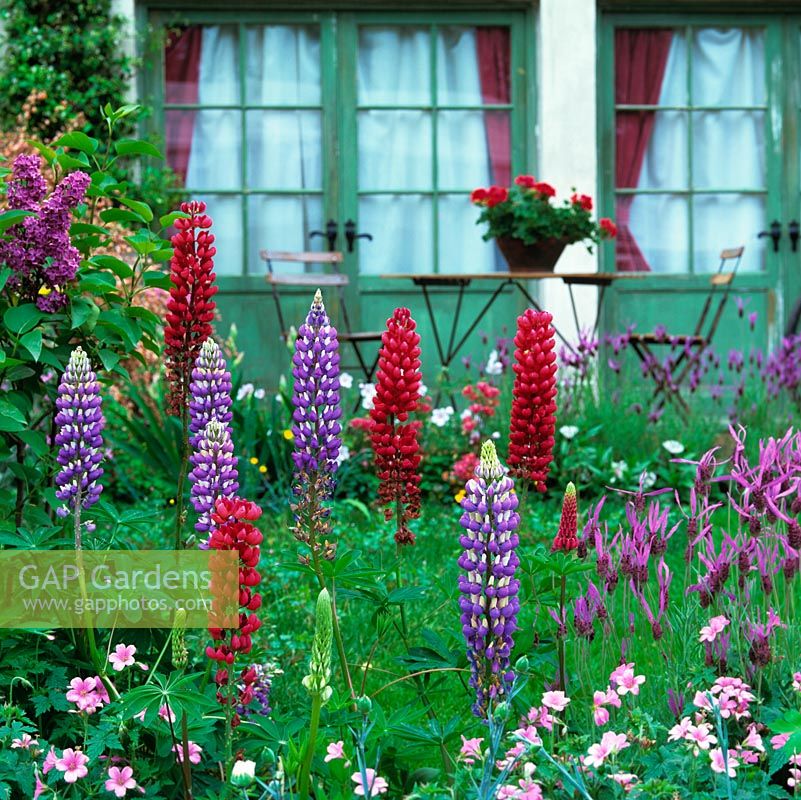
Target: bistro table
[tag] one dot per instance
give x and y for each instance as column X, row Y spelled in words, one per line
column 601, row 280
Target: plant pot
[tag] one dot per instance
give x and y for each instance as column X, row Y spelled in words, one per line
column 537, row 257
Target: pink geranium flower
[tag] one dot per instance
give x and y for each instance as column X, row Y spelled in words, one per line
column 529, row 791
column 626, row 681
column 716, row 626
column 335, row 751
column 50, row 761
column 720, row 765
column 624, row 779
column 779, row 740
column 166, row 713
column 83, row 693
column 797, row 681
column 556, row 701
column 73, row 764
column 680, row 730
column 470, row 750
column 507, row 792
column 194, row 752
column 610, row 744
column 120, row 780
column 39, row 788
column 123, row 656
column 701, row 736
column 376, row 785
column 25, row 742
column 753, row 739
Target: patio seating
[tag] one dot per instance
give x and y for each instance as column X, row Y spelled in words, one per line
column 670, row 378
column 310, row 279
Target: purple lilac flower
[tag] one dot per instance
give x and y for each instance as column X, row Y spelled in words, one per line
column 210, row 392
column 315, row 366
column 488, row 601
column 79, row 422
column 38, row 249
column 215, row 472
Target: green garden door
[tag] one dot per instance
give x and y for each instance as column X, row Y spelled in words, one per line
column 700, row 157
column 370, row 127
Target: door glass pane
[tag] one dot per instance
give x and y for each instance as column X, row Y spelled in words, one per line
column 403, row 229
column 226, row 211
column 728, row 67
column 394, row 66
column 729, row 149
column 659, row 229
column 282, row 65
column 473, row 66
column 284, row 149
column 395, row 150
column 665, row 162
column 462, row 158
column 460, row 239
column 215, row 160
column 724, row 221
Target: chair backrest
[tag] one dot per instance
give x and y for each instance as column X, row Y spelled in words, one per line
column 306, row 258
column 719, row 278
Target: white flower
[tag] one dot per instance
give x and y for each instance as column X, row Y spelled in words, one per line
column 673, row 447
column 619, row 468
column 259, row 394
column 648, row 479
column 466, row 414
column 245, row 390
column 243, row 773
column 346, row 380
column 422, row 391
column 568, row 431
column 493, row 365
column 441, row 416
column 368, row 392
column 495, row 435
column 344, row 453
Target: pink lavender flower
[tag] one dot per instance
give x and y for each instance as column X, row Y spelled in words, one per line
column 123, row 656
column 194, row 752
column 215, row 473
column 73, row 764
column 209, row 391
column 376, row 785
column 79, row 423
column 120, row 780
column 488, row 599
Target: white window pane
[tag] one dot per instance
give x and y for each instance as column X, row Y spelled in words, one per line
column 665, row 164
column 728, row 66
column 283, row 223
column 462, row 158
column 218, row 82
column 725, row 221
column 461, row 248
column 226, row 214
column 394, row 66
column 402, row 234
column 674, row 82
column 284, row 149
column 473, row 65
column 658, row 224
column 729, row 149
column 394, row 150
column 283, row 64
column 215, row 161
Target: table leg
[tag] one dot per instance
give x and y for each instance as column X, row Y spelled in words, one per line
column 455, row 322
column 434, row 327
column 536, row 305
column 481, row 314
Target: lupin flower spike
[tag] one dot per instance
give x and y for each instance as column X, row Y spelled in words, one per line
column 318, row 681
column 567, row 536
column 488, row 601
column 79, row 423
column 210, row 391
column 533, row 420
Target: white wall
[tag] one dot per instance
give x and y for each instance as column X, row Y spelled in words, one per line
column 567, row 135
column 127, row 9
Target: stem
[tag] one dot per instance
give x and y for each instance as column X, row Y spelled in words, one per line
column 303, row 784
column 179, row 497
column 185, row 743
column 560, row 642
column 185, row 768
column 20, row 500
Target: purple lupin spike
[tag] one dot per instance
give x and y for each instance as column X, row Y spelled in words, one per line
column 215, row 472
column 315, row 367
column 488, row 601
column 79, row 423
column 209, row 392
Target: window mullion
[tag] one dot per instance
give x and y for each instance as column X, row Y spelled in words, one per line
column 244, row 144
column 690, row 137
column 434, row 147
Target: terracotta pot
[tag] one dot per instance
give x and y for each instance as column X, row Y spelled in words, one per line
column 537, row 257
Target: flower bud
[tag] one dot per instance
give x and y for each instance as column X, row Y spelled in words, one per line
column 243, row 773
column 319, row 677
column 180, row 655
column 364, row 705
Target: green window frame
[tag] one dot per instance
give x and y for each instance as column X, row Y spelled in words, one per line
column 339, row 107
column 685, row 24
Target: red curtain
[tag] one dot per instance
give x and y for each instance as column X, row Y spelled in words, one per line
column 181, row 77
column 494, row 65
column 640, row 61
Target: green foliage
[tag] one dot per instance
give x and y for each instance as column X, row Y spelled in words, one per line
column 71, row 52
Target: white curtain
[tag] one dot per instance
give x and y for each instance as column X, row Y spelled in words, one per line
column 728, row 151
column 396, row 151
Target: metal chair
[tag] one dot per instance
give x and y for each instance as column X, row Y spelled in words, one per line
column 335, row 280
column 668, row 380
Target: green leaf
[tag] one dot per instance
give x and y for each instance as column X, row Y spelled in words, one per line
column 109, row 359
column 11, row 418
column 157, row 279
column 19, row 319
column 120, row 215
column 80, row 161
column 98, row 283
column 37, row 441
column 169, row 219
column 83, row 228
column 119, row 267
column 82, row 310
column 32, row 342
column 139, row 207
column 136, row 147
column 5, row 274
column 77, row 140
column 13, row 217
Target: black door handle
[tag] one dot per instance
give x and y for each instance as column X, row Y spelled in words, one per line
column 331, row 232
column 775, row 233
column 793, row 229
column 351, row 236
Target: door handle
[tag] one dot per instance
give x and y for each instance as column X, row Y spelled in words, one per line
column 793, row 230
column 775, row 233
column 351, row 236
column 331, row 232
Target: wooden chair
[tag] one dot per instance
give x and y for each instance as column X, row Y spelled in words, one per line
column 669, row 380
column 311, row 279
